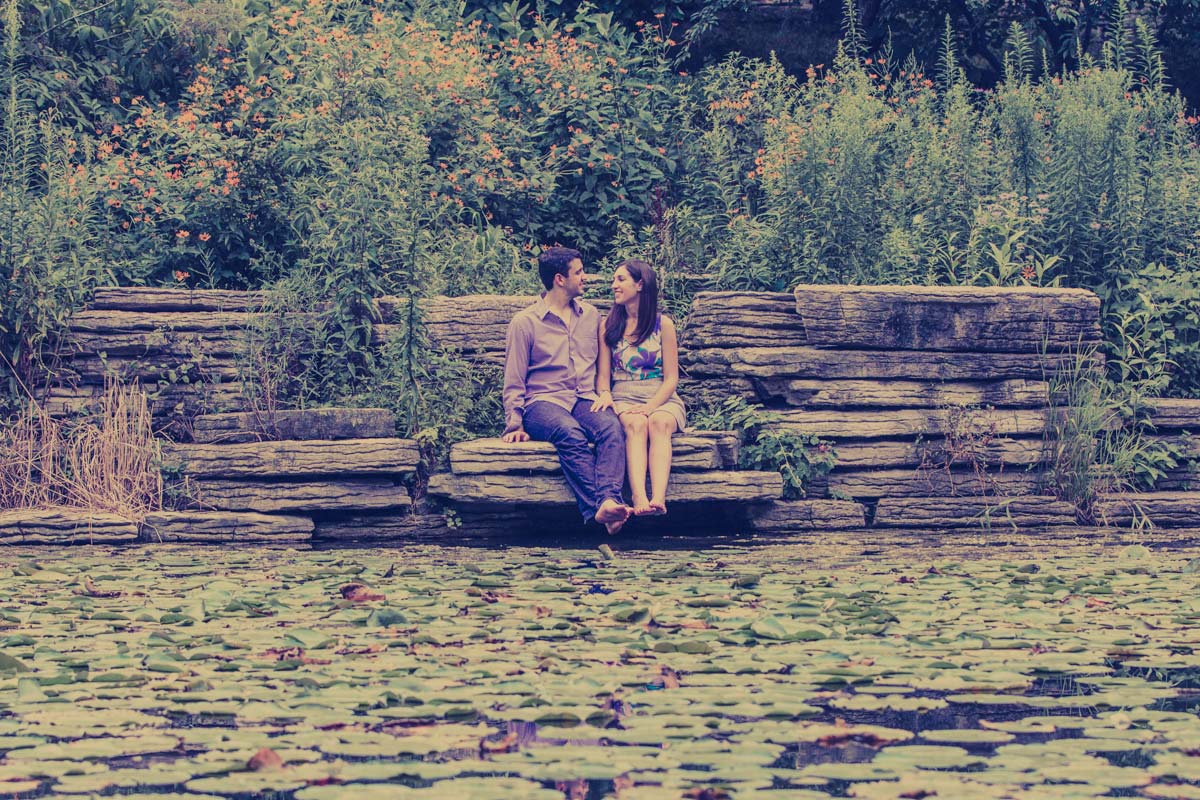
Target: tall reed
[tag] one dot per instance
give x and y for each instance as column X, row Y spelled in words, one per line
column 108, row 461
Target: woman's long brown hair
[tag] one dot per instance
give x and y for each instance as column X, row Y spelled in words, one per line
column 614, row 327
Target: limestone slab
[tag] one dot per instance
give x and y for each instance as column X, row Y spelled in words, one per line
column 937, row 451
column 963, row 318
column 957, row 512
column 158, row 344
column 316, row 423
column 1176, row 414
column 870, row 484
column 814, row 363
column 807, row 515
column 1013, row 393
column 334, row 494
column 387, row 527
column 64, row 526
column 297, row 458
column 685, row 487
column 97, row 321
column 490, row 456
column 156, row 300
column 890, row 423
column 1161, row 509
column 225, row 526
column 738, row 319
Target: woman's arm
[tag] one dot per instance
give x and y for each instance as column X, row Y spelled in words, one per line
column 603, row 376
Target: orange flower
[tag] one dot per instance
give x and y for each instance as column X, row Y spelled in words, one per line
column 181, row 235
column 204, row 237
column 181, row 276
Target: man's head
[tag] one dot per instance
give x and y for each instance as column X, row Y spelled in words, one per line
column 562, row 266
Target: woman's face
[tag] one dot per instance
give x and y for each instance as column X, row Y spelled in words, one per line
column 626, row 290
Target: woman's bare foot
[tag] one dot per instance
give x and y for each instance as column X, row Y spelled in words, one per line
column 640, row 505
column 657, row 507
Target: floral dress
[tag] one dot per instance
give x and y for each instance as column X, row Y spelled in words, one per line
column 637, row 375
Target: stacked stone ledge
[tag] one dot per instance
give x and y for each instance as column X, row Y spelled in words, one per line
column 896, row 377
column 935, row 399
column 297, row 475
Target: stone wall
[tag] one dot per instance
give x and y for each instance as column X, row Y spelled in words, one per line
column 935, row 399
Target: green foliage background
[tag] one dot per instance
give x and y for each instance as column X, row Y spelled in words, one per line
column 347, row 150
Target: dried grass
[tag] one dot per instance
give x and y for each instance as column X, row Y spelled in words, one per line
column 108, row 461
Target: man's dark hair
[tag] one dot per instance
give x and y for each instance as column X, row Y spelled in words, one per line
column 556, row 261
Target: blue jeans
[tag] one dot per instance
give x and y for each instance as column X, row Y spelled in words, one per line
column 593, row 477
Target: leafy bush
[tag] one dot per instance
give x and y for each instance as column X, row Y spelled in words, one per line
column 799, row 458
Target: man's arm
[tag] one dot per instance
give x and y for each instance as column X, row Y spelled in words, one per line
column 516, row 365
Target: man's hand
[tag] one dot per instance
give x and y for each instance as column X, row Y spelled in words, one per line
column 602, row 402
column 515, row 436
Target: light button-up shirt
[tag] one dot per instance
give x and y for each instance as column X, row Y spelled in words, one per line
column 549, row 358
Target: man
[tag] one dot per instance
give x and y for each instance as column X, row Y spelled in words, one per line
column 550, row 385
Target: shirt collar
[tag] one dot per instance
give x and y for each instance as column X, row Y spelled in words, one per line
column 542, row 308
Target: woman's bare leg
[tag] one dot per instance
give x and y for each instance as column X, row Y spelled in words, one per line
column 662, row 425
column 636, row 430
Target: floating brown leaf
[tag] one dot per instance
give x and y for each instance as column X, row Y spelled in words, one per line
column 506, row 744
column 265, row 759
column 89, row 589
column 360, row 593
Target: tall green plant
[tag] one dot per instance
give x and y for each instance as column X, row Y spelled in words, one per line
column 48, row 255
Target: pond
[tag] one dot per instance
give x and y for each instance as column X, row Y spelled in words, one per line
column 425, row 672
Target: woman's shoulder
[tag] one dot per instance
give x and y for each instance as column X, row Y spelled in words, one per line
column 665, row 322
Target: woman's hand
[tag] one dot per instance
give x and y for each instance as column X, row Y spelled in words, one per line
column 602, row 402
column 645, row 408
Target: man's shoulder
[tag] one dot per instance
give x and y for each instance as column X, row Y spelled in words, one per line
column 529, row 312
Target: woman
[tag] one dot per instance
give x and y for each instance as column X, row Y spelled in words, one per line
column 637, row 374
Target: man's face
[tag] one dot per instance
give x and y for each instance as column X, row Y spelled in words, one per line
column 574, row 280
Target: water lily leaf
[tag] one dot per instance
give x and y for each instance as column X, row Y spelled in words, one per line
column 10, row 664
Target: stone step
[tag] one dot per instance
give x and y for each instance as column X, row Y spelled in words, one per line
column 473, row 325
column 989, row 451
column 62, row 526
column 1160, row 509
column 221, row 322
column 149, row 371
column 160, row 345
column 334, row 494
column 785, row 516
column 685, row 487
column 814, row 363
column 957, row 318
column 402, row 526
column 847, row 394
column 493, row 456
column 155, row 300
column 316, row 423
column 224, row 526
column 896, row 423
column 743, row 319
column 874, row 484
column 296, row 458
column 1176, row 414
column 959, row 512
column 165, row 400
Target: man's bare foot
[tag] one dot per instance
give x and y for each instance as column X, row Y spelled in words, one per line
column 614, row 528
column 611, row 511
column 657, row 508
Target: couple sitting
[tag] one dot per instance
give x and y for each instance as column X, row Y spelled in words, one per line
column 561, row 386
